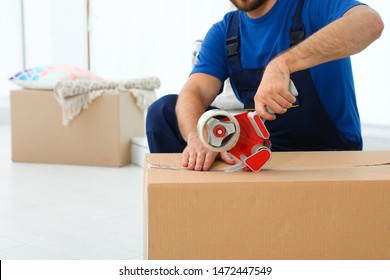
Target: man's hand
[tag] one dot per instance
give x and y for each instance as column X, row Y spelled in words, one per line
column 348, row 35
column 197, row 157
column 273, row 95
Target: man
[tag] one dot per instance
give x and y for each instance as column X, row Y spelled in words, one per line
column 261, row 47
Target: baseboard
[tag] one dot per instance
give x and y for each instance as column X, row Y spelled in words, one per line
column 139, row 148
column 4, row 115
column 377, row 131
column 5, row 110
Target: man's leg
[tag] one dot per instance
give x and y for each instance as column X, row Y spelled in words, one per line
column 162, row 129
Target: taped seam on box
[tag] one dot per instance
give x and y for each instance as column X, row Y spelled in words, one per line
column 372, row 165
column 176, row 168
column 230, row 169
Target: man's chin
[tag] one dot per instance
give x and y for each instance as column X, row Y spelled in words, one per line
column 248, row 5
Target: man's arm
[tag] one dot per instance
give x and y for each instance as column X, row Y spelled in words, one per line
column 350, row 34
column 197, row 94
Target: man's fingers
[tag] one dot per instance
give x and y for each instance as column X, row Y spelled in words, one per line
column 276, row 104
column 199, row 162
column 283, row 102
column 289, row 96
column 184, row 158
column 265, row 113
column 273, row 107
column 192, row 161
column 226, row 157
column 209, row 160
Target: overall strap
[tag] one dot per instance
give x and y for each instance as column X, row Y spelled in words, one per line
column 297, row 31
column 233, row 41
column 297, row 34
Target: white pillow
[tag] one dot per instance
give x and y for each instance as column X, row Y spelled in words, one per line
column 227, row 100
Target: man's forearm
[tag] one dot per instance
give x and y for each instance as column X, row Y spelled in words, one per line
column 188, row 111
column 197, row 94
column 352, row 33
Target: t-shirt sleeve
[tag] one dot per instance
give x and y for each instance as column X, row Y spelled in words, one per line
column 323, row 12
column 212, row 54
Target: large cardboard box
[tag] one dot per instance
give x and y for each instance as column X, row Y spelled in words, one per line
column 100, row 135
column 303, row 205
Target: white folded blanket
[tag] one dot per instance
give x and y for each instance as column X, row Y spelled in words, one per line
column 76, row 95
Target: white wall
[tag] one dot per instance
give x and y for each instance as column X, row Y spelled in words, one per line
column 372, row 75
column 149, row 38
column 143, row 38
column 56, row 32
column 133, row 38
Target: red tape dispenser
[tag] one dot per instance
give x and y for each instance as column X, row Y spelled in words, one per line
column 243, row 135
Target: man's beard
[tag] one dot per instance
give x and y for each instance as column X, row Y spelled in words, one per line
column 247, row 5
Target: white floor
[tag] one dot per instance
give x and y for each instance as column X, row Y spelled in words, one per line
column 68, row 212
column 78, row 212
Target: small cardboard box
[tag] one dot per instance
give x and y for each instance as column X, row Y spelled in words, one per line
column 100, row 135
column 303, row 205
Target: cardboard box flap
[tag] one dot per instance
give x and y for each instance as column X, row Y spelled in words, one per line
column 292, row 166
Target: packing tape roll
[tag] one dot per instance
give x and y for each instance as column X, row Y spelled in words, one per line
column 202, row 124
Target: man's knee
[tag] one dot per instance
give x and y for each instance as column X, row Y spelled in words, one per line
column 161, row 109
column 161, row 126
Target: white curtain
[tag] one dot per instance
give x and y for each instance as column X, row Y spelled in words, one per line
column 11, row 51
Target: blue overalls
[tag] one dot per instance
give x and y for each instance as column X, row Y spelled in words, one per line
column 306, row 127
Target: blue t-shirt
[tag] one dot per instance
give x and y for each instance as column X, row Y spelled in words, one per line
column 265, row 37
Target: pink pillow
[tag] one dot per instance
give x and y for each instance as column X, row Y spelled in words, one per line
column 46, row 77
